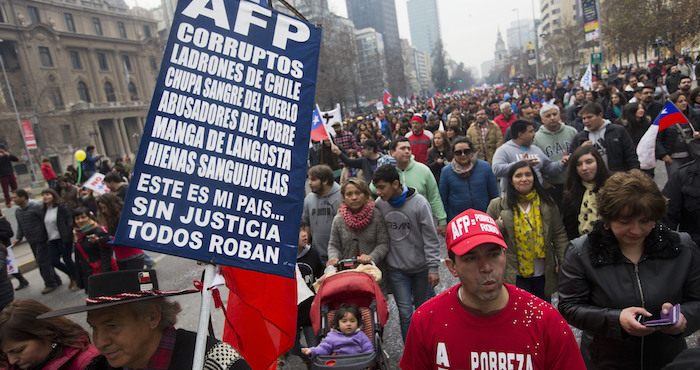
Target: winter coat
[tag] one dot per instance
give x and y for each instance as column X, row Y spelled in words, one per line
column 6, row 168
column 683, row 192
column 7, row 293
column 484, row 150
column 6, row 232
column 71, row 359
column 338, row 343
column 64, row 221
column 435, row 167
column 30, row 223
column 47, row 172
column 670, row 141
column 555, row 240
column 474, row 191
column 622, row 153
column 503, row 122
column 597, row 282
column 96, row 252
column 569, row 215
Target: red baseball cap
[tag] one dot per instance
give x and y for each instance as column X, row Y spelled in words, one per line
column 470, row 229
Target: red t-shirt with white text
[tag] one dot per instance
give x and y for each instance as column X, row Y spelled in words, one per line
column 527, row 334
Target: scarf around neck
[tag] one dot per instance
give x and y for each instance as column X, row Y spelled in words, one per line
column 587, row 211
column 398, row 202
column 463, row 171
column 360, row 220
column 529, row 234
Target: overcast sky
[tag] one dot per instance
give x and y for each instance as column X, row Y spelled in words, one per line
column 469, row 27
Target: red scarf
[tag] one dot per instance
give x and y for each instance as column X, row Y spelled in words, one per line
column 360, row 220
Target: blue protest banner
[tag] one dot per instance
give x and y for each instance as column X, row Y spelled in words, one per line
column 220, row 172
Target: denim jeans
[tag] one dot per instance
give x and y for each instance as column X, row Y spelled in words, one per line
column 60, row 250
column 405, row 286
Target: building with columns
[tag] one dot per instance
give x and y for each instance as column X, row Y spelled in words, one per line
column 82, row 72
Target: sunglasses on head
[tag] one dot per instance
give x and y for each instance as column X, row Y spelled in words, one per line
column 464, row 151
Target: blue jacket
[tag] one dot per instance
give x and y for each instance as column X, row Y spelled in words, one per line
column 339, row 343
column 461, row 193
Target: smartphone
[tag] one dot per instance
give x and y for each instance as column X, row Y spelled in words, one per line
column 671, row 318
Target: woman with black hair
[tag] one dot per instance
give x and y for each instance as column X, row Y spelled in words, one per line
column 584, row 177
column 614, row 109
column 532, row 228
column 635, row 120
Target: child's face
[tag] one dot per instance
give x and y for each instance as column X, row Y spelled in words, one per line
column 303, row 238
column 348, row 324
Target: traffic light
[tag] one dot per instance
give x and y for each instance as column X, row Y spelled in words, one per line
column 460, row 81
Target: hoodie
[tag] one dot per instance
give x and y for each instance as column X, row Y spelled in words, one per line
column 418, row 176
column 554, row 144
column 415, row 245
column 510, row 153
column 318, row 213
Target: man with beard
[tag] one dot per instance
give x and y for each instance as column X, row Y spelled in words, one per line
column 466, row 326
column 673, row 79
column 320, row 206
column 485, row 135
column 684, row 86
column 651, row 107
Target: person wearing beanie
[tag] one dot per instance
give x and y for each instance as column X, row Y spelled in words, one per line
column 420, row 139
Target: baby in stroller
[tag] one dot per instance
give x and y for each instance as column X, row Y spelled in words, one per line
column 346, row 337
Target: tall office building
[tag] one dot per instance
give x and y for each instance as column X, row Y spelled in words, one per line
column 424, row 23
column 381, row 16
column 556, row 13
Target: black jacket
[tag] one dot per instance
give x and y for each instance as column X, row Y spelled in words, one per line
column 622, row 153
column 597, row 282
column 683, row 192
column 64, row 221
column 6, row 168
column 671, row 141
column 7, row 294
column 30, row 223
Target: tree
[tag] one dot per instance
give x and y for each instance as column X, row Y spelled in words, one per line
column 462, row 78
column 633, row 25
column 562, row 48
column 439, row 68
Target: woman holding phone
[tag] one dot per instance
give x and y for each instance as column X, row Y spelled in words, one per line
column 628, row 270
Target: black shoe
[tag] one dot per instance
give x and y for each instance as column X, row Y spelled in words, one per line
column 22, row 285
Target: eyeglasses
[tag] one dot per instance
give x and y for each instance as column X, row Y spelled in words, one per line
column 460, row 152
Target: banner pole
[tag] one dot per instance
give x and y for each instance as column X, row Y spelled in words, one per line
column 204, row 314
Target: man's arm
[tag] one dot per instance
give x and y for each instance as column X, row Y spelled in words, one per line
column 500, row 163
column 433, row 197
column 351, row 162
column 415, row 354
column 561, row 350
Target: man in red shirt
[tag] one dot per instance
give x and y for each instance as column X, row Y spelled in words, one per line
column 506, row 118
column 419, row 139
column 484, row 323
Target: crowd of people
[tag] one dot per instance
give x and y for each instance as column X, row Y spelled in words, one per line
column 573, row 208
column 536, row 188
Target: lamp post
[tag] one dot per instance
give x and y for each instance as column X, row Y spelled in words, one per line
column 32, row 171
column 534, row 34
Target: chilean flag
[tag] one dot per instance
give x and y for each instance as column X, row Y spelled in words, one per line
column 668, row 117
column 387, row 97
column 432, row 102
column 318, row 129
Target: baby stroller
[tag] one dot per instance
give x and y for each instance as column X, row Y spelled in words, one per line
column 352, row 287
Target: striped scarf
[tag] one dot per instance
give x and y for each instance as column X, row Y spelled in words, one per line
column 360, row 220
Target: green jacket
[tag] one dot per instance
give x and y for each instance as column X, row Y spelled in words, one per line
column 417, row 175
column 555, row 241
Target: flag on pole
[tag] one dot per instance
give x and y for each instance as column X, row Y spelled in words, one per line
column 669, row 116
column 432, row 102
column 379, row 106
column 318, row 129
column 330, row 117
column 401, row 101
column 387, row 97
column 413, row 99
column 263, row 308
column 587, row 79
